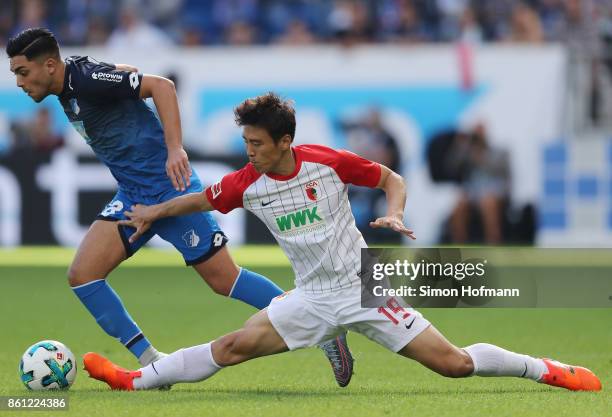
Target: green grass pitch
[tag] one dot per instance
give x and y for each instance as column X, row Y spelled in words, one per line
column 176, row 309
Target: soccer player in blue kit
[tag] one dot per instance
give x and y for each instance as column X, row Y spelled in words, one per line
column 105, row 104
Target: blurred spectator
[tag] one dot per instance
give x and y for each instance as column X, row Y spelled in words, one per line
column 240, row 34
column 409, row 26
column 296, row 33
column 494, row 17
column 278, row 17
column 37, row 134
column 237, row 20
column 450, row 15
column 192, row 36
column 350, row 23
column 485, row 185
column 469, row 29
column 87, row 22
column 606, row 36
column 552, row 17
column 135, row 33
column 368, row 138
column 32, row 13
column 196, row 21
column 98, row 31
column 525, row 25
column 7, row 23
column 580, row 35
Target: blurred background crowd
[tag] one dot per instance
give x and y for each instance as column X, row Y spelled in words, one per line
column 246, row 22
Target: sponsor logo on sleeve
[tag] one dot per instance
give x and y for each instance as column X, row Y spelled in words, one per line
column 134, row 80
column 216, row 190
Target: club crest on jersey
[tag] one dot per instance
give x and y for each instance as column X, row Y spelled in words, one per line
column 312, row 190
column 112, row 208
column 191, row 238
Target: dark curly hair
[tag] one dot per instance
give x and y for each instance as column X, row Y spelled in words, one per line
column 269, row 112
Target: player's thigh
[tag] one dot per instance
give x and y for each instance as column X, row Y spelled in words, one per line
column 433, row 350
column 257, row 338
column 100, row 251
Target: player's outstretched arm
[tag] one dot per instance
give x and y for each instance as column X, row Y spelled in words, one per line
column 163, row 92
column 395, row 188
column 141, row 217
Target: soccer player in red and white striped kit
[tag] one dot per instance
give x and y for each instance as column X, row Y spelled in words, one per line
column 300, row 193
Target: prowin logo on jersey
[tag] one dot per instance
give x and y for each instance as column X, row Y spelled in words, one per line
column 191, row 238
column 299, row 221
column 107, row 76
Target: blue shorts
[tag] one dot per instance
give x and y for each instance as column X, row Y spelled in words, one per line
column 196, row 236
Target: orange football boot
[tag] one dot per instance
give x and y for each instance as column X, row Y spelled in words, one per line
column 104, row 370
column 575, row 378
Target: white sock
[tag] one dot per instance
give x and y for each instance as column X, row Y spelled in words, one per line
column 185, row 365
column 150, row 355
column 491, row 360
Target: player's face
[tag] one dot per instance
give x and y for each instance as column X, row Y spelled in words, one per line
column 34, row 77
column 263, row 152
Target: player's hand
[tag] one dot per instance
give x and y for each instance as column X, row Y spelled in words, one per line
column 140, row 218
column 178, row 169
column 393, row 223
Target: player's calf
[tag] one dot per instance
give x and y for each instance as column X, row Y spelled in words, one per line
column 234, row 348
column 456, row 364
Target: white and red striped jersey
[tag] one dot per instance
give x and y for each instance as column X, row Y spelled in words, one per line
column 308, row 212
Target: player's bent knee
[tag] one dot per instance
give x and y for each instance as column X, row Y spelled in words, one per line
column 77, row 277
column 219, row 280
column 234, row 348
column 221, row 285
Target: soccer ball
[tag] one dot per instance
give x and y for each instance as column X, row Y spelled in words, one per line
column 47, row 365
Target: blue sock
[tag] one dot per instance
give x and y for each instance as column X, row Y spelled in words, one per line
column 105, row 305
column 254, row 289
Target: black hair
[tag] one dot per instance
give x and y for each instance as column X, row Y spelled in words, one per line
column 269, row 112
column 33, row 43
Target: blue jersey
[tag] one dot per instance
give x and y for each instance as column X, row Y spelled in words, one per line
column 104, row 106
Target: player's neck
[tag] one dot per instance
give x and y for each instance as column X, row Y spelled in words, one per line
column 58, row 79
column 286, row 165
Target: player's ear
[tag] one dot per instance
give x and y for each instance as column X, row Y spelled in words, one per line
column 285, row 142
column 51, row 65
